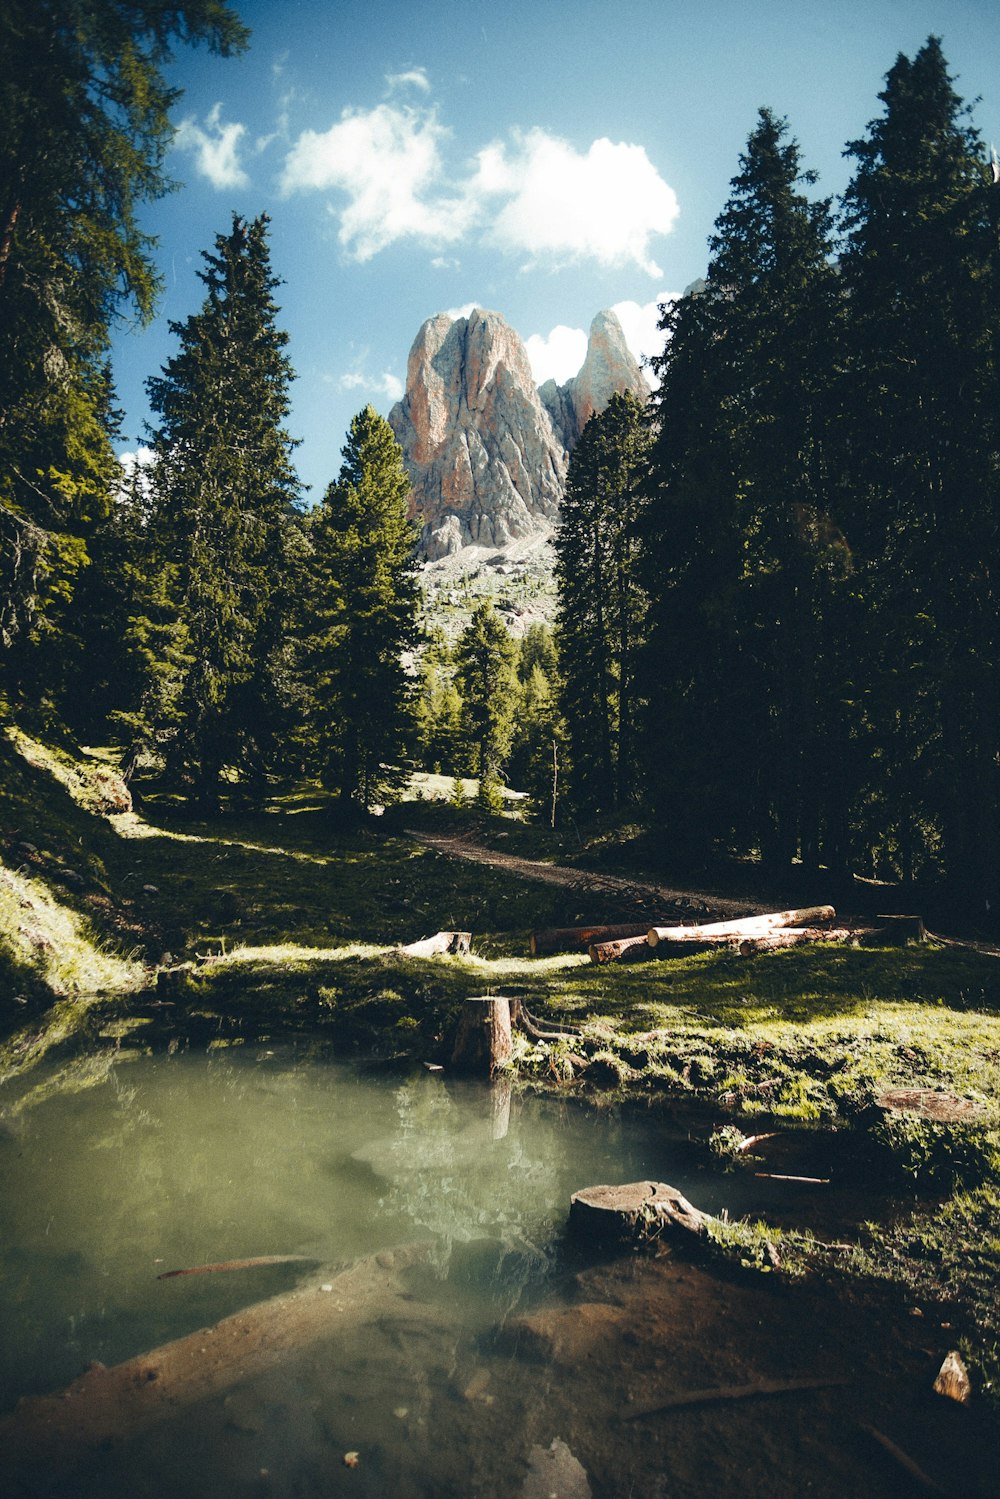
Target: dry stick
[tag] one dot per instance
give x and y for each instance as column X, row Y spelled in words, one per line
column 777, row 1176
column 732, row 1392
column 903, row 1459
column 752, row 1140
column 251, row 1264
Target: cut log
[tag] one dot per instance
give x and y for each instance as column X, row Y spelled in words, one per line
column 745, row 926
column 633, row 1213
column 620, row 947
column 484, row 1043
column 795, row 936
column 441, row 942
column 579, row 938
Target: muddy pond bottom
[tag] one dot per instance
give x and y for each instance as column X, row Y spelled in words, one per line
column 418, row 1329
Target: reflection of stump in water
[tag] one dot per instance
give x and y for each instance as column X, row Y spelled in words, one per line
column 500, row 1094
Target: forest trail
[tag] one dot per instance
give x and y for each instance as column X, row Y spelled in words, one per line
column 636, row 897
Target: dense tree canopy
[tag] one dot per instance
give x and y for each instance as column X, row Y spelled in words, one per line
column 84, row 124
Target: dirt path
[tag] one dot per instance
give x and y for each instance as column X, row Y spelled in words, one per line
column 635, row 896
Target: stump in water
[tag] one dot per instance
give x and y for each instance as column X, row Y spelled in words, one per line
column 633, row 1213
column 484, row 1043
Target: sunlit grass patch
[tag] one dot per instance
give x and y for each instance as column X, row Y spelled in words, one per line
column 57, row 945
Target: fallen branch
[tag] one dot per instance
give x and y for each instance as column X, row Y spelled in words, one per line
column 731, row 1392
column 251, row 1264
column 777, row 1176
column 903, row 1459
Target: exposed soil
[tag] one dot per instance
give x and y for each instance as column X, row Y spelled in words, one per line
column 637, row 897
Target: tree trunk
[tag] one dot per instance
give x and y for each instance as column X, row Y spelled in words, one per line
column 484, row 1043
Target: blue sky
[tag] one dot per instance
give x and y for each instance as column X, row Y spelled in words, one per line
column 541, row 158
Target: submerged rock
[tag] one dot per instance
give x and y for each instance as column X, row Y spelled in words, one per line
column 554, row 1473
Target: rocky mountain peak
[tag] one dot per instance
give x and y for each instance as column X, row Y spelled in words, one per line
column 610, row 368
column 487, row 451
column 486, row 466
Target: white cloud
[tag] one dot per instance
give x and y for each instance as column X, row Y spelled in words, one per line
column 215, row 148
column 142, row 457
column 640, row 326
column 535, row 195
column 413, row 78
column 386, row 384
column 604, row 204
column 466, row 310
column 557, row 357
column 387, row 160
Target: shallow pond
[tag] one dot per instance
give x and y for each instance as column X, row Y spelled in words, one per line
column 435, row 1333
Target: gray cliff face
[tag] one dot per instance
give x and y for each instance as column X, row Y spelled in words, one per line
column 486, row 466
column 486, row 451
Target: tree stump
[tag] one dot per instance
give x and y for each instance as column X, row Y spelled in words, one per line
column 899, row 931
column 484, row 1043
column 633, row 1213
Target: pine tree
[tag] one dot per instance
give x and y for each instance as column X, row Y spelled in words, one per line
column 742, row 554
column 922, row 462
column 601, row 602
column 364, row 600
column 487, row 676
column 224, row 487
column 84, row 125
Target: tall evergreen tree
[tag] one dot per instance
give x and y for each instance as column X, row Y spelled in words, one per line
column 364, row 600
column 487, row 676
column 922, row 463
column 601, row 602
column 224, row 487
column 742, row 555
column 84, row 125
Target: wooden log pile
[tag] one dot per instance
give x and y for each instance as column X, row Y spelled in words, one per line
column 744, row 936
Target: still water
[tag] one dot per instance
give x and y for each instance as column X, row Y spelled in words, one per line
column 457, row 1349
column 169, row 1162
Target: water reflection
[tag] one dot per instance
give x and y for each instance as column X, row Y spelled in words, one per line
column 163, row 1162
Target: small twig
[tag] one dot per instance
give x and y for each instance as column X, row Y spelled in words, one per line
column 903, row 1459
column 731, row 1392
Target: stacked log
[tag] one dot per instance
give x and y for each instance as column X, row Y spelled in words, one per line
column 579, row 938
